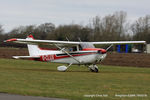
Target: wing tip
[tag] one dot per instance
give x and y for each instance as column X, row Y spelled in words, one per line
column 10, row 40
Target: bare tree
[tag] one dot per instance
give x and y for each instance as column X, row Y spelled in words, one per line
column 141, row 29
column 45, row 30
column 72, row 32
column 110, row 27
column 1, row 30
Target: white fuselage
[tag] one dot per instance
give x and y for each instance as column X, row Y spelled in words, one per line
column 80, row 57
column 84, row 56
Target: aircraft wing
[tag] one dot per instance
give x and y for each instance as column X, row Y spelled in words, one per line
column 44, row 42
column 67, row 43
column 120, row 42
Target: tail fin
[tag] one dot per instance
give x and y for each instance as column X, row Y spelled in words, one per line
column 33, row 49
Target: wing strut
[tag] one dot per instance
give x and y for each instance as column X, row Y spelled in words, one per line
column 109, row 47
column 63, row 49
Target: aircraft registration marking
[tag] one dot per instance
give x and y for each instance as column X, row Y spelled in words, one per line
column 47, row 57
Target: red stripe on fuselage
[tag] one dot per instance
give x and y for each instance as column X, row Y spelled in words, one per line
column 50, row 49
column 55, row 57
column 88, row 51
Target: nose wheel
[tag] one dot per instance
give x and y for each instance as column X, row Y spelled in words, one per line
column 93, row 68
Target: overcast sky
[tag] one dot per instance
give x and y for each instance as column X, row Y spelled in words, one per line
column 14, row 13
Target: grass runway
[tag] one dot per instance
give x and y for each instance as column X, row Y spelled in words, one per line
column 77, row 83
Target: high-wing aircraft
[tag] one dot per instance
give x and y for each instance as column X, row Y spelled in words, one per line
column 68, row 52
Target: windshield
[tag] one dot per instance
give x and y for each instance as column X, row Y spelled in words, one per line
column 87, row 45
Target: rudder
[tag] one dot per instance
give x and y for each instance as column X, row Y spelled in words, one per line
column 33, row 49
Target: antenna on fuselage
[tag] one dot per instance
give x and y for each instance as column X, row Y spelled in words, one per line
column 79, row 39
column 67, row 39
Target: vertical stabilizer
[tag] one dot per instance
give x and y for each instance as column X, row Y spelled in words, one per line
column 33, row 49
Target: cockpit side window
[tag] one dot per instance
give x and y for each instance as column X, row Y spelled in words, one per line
column 74, row 48
column 80, row 47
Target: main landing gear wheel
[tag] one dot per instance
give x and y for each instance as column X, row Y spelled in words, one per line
column 93, row 68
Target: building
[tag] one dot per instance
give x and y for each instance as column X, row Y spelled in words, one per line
column 148, row 48
column 131, row 48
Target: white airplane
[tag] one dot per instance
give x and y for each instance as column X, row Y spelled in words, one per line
column 69, row 52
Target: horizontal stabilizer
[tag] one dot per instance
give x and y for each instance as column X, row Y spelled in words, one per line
column 25, row 57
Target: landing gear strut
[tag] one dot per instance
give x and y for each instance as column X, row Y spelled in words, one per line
column 93, row 68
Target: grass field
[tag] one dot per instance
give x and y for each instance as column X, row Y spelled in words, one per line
column 42, row 79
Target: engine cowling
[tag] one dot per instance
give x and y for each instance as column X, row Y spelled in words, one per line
column 102, row 51
column 102, row 55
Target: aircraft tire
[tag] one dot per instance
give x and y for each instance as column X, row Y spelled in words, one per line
column 96, row 70
column 92, row 70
